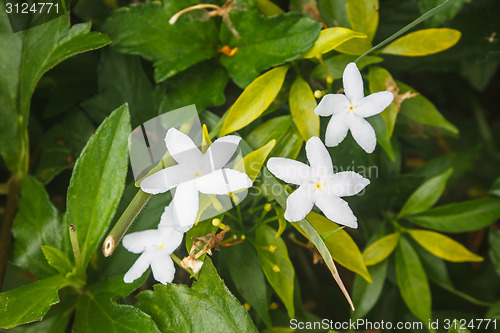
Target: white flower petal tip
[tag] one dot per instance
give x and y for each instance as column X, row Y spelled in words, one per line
column 353, row 83
column 363, row 133
column 290, row 171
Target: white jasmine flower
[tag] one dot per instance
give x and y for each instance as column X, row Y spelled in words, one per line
column 196, row 172
column 156, row 246
column 318, row 185
column 348, row 111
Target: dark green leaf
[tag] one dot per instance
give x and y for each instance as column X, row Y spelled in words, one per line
column 122, row 80
column 266, row 42
column 337, row 64
column 207, row 306
column 57, row 259
column 443, row 16
column 26, row 56
column 97, row 182
column 365, row 294
column 460, row 217
column 273, row 257
column 273, row 129
column 412, row 281
column 37, row 223
column 29, row 302
column 494, row 311
column 334, row 13
column 494, row 239
column 143, row 29
column 246, row 273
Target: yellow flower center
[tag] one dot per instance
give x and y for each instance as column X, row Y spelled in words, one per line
column 160, row 246
column 196, row 174
column 318, row 185
column 351, row 108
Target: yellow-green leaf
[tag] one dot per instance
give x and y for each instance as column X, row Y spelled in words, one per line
column 255, row 160
column 281, row 220
column 355, row 46
column 206, row 142
column 381, row 249
column 331, row 38
column 302, row 105
column 380, row 80
column 423, row 42
column 267, row 7
column 363, row 16
column 443, row 247
column 254, row 100
column 341, row 246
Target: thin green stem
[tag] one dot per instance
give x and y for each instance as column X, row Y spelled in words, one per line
column 73, row 236
column 419, row 20
column 329, row 78
column 178, row 261
column 129, row 215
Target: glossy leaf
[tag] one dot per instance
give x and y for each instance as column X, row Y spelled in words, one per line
column 337, row 64
column 254, row 100
column 265, row 42
column 423, row 42
column 143, row 29
column 37, row 223
column 342, row 247
column 426, row 195
column 207, row 306
column 273, row 129
column 461, row 216
column 494, row 239
column 276, row 265
column 363, row 16
column 248, row 277
column 412, row 281
column 255, row 160
column 355, row 46
column 381, row 80
column 331, row 38
column 26, row 56
column 380, row 249
column 290, row 144
column 302, row 105
column 334, row 12
column 365, row 294
column 57, row 259
column 98, row 181
column 421, row 110
column 29, row 302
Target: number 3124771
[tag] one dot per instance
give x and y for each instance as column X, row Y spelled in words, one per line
column 26, row 8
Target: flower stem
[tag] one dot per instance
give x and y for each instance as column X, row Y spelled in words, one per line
column 14, row 189
column 328, row 77
column 76, row 252
column 129, row 215
column 177, row 260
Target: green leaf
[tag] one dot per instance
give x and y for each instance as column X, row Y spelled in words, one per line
column 334, row 12
column 494, row 251
column 365, row 294
column 267, row 7
column 245, row 271
column 412, row 281
column 276, row 265
column 460, row 217
column 207, row 306
column 443, row 247
column 381, row 132
column 273, row 129
column 25, row 57
column 380, row 80
column 302, row 105
column 98, row 181
column 423, row 42
column 255, row 160
column 143, row 29
column 495, row 188
column 426, row 195
column 37, row 223
column 290, row 144
column 254, row 100
column 457, row 327
column 57, row 259
column 341, row 246
column 29, row 302
column 265, row 42
column 440, row 18
column 337, row 64
column 380, row 249
column 363, row 16
column 122, row 80
column 331, row 38
column 355, row 46
column 421, row 110
column 494, row 311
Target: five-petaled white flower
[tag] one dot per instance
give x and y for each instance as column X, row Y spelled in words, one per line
column 196, row 172
column 156, row 245
column 349, row 111
column 318, row 185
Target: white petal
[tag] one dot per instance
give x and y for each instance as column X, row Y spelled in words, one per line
column 298, row 204
column 337, row 210
column 170, row 238
column 318, row 156
column 363, row 133
column 163, row 268
column 346, row 183
column 138, row 242
column 332, row 104
column 138, row 268
column 290, row 171
column 223, row 181
column 220, row 152
column 374, row 104
column 182, row 148
column 186, row 203
column 167, row 218
column 163, row 180
column 337, row 130
column 353, row 83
